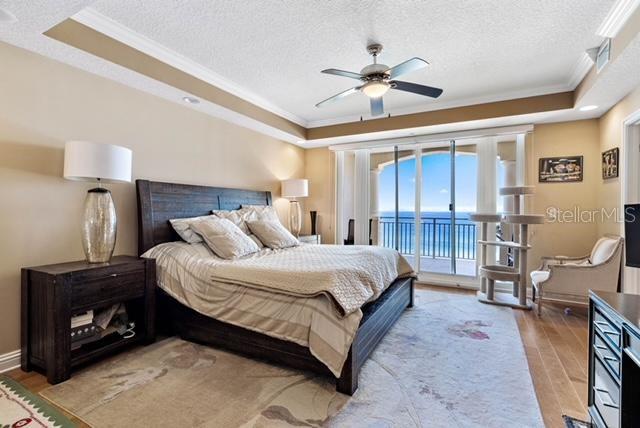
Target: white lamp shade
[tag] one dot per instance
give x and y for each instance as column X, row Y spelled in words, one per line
column 88, row 161
column 295, row 188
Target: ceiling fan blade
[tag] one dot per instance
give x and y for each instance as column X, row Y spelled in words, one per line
column 342, row 73
column 339, row 96
column 377, row 107
column 408, row 66
column 427, row 91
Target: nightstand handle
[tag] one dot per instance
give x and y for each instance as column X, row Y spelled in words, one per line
column 113, row 275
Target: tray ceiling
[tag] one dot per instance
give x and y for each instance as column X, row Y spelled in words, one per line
column 479, row 50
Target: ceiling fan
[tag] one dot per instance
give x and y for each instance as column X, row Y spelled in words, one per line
column 379, row 78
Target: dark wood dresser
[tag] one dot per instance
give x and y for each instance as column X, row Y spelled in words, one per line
column 52, row 294
column 614, row 359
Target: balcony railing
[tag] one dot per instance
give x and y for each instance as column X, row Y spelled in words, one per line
column 435, row 236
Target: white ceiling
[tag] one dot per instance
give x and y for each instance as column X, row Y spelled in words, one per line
column 478, row 50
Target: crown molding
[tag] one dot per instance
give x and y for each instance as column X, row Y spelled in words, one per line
column 109, row 27
column 580, row 70
column 617, row 17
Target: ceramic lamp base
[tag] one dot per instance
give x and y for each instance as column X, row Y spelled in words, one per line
column 99, row 225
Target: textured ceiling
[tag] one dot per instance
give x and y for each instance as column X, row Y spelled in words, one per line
column 266, row 60
column 478, row 50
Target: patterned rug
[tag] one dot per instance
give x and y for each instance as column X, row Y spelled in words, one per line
column 448, row 362
column 21, row 409
column 575, row 423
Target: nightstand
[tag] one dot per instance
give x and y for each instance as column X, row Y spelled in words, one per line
column 310, row 239
column 52, row 294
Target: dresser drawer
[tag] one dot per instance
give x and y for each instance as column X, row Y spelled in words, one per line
column 606, row 396
column 606, row 355
column 607, row 329
column 104, row 287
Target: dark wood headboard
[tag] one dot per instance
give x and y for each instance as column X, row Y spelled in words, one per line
column 158, row 202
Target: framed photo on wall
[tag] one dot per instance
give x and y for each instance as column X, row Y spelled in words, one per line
column 566, row 169
column 610, row 159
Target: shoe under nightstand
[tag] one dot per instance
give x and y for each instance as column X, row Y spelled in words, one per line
column 52, row 294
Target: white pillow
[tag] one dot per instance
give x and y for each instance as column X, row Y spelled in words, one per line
column 263, row 212
column 273, row 234
column 238, row 217
column 181, row 226
column 224, row 238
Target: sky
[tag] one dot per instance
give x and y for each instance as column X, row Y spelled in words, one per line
column 436, row 184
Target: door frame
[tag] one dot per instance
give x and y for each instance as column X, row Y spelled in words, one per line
column 629, row 187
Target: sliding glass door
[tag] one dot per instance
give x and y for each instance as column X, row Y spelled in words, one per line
column 416, row 198
column 393, row 200
column 437, row 214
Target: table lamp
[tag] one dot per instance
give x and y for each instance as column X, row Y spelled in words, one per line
column 292, row 189
column 104, row 163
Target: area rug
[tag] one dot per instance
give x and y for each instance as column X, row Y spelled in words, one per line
column 571, row 422
column 20, row 408
column 448, row 362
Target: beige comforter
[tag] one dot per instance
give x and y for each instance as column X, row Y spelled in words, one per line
column 310, row 295
column 350, row 275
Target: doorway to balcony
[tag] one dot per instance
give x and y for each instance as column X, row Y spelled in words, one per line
column 416, row 197
column 420, row 202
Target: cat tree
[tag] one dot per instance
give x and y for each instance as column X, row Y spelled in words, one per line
column 516, row 274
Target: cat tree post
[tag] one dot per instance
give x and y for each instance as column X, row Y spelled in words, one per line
column 516, row 274
column 484, row 220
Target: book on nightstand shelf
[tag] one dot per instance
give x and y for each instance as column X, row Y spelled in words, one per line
column 87, row 327
column 82, row 319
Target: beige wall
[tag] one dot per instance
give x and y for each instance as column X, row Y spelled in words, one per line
column 44, row 103
column 319, row 170
column 565, row 139
column 610, row 137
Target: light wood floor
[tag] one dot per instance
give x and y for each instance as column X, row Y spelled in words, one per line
column 556, row 348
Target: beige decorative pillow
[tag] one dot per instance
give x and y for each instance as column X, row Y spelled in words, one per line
column 181, row 226
column 224, row 238
column 238, row 217
column 263, row 212
column 273, row 234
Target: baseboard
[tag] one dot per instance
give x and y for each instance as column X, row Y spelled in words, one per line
column 9, row 361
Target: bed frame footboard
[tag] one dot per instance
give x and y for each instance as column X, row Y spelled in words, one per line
column 378, row 318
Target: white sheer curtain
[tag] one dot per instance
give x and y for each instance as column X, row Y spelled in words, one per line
column 487, row 192
column 338, row 203
column 362, row 181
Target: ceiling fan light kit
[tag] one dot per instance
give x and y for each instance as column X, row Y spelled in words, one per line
column 379, row 78
column 375, row 89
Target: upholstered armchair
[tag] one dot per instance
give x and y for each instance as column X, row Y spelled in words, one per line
column 570, row 278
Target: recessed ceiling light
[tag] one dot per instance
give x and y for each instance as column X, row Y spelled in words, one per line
column 190, row 100
column 6, row 16
column 588, row 108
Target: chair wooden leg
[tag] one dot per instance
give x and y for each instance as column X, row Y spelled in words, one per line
column 540, row 303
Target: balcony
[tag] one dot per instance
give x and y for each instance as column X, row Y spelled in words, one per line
column 435, row 238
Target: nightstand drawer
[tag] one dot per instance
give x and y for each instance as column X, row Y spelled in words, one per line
column 107, row 287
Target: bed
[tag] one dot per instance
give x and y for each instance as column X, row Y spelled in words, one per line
column 158, row 202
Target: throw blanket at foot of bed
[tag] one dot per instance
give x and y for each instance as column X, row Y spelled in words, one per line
column 350, row 275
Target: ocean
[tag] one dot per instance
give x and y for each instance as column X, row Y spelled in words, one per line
column 435, row 233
